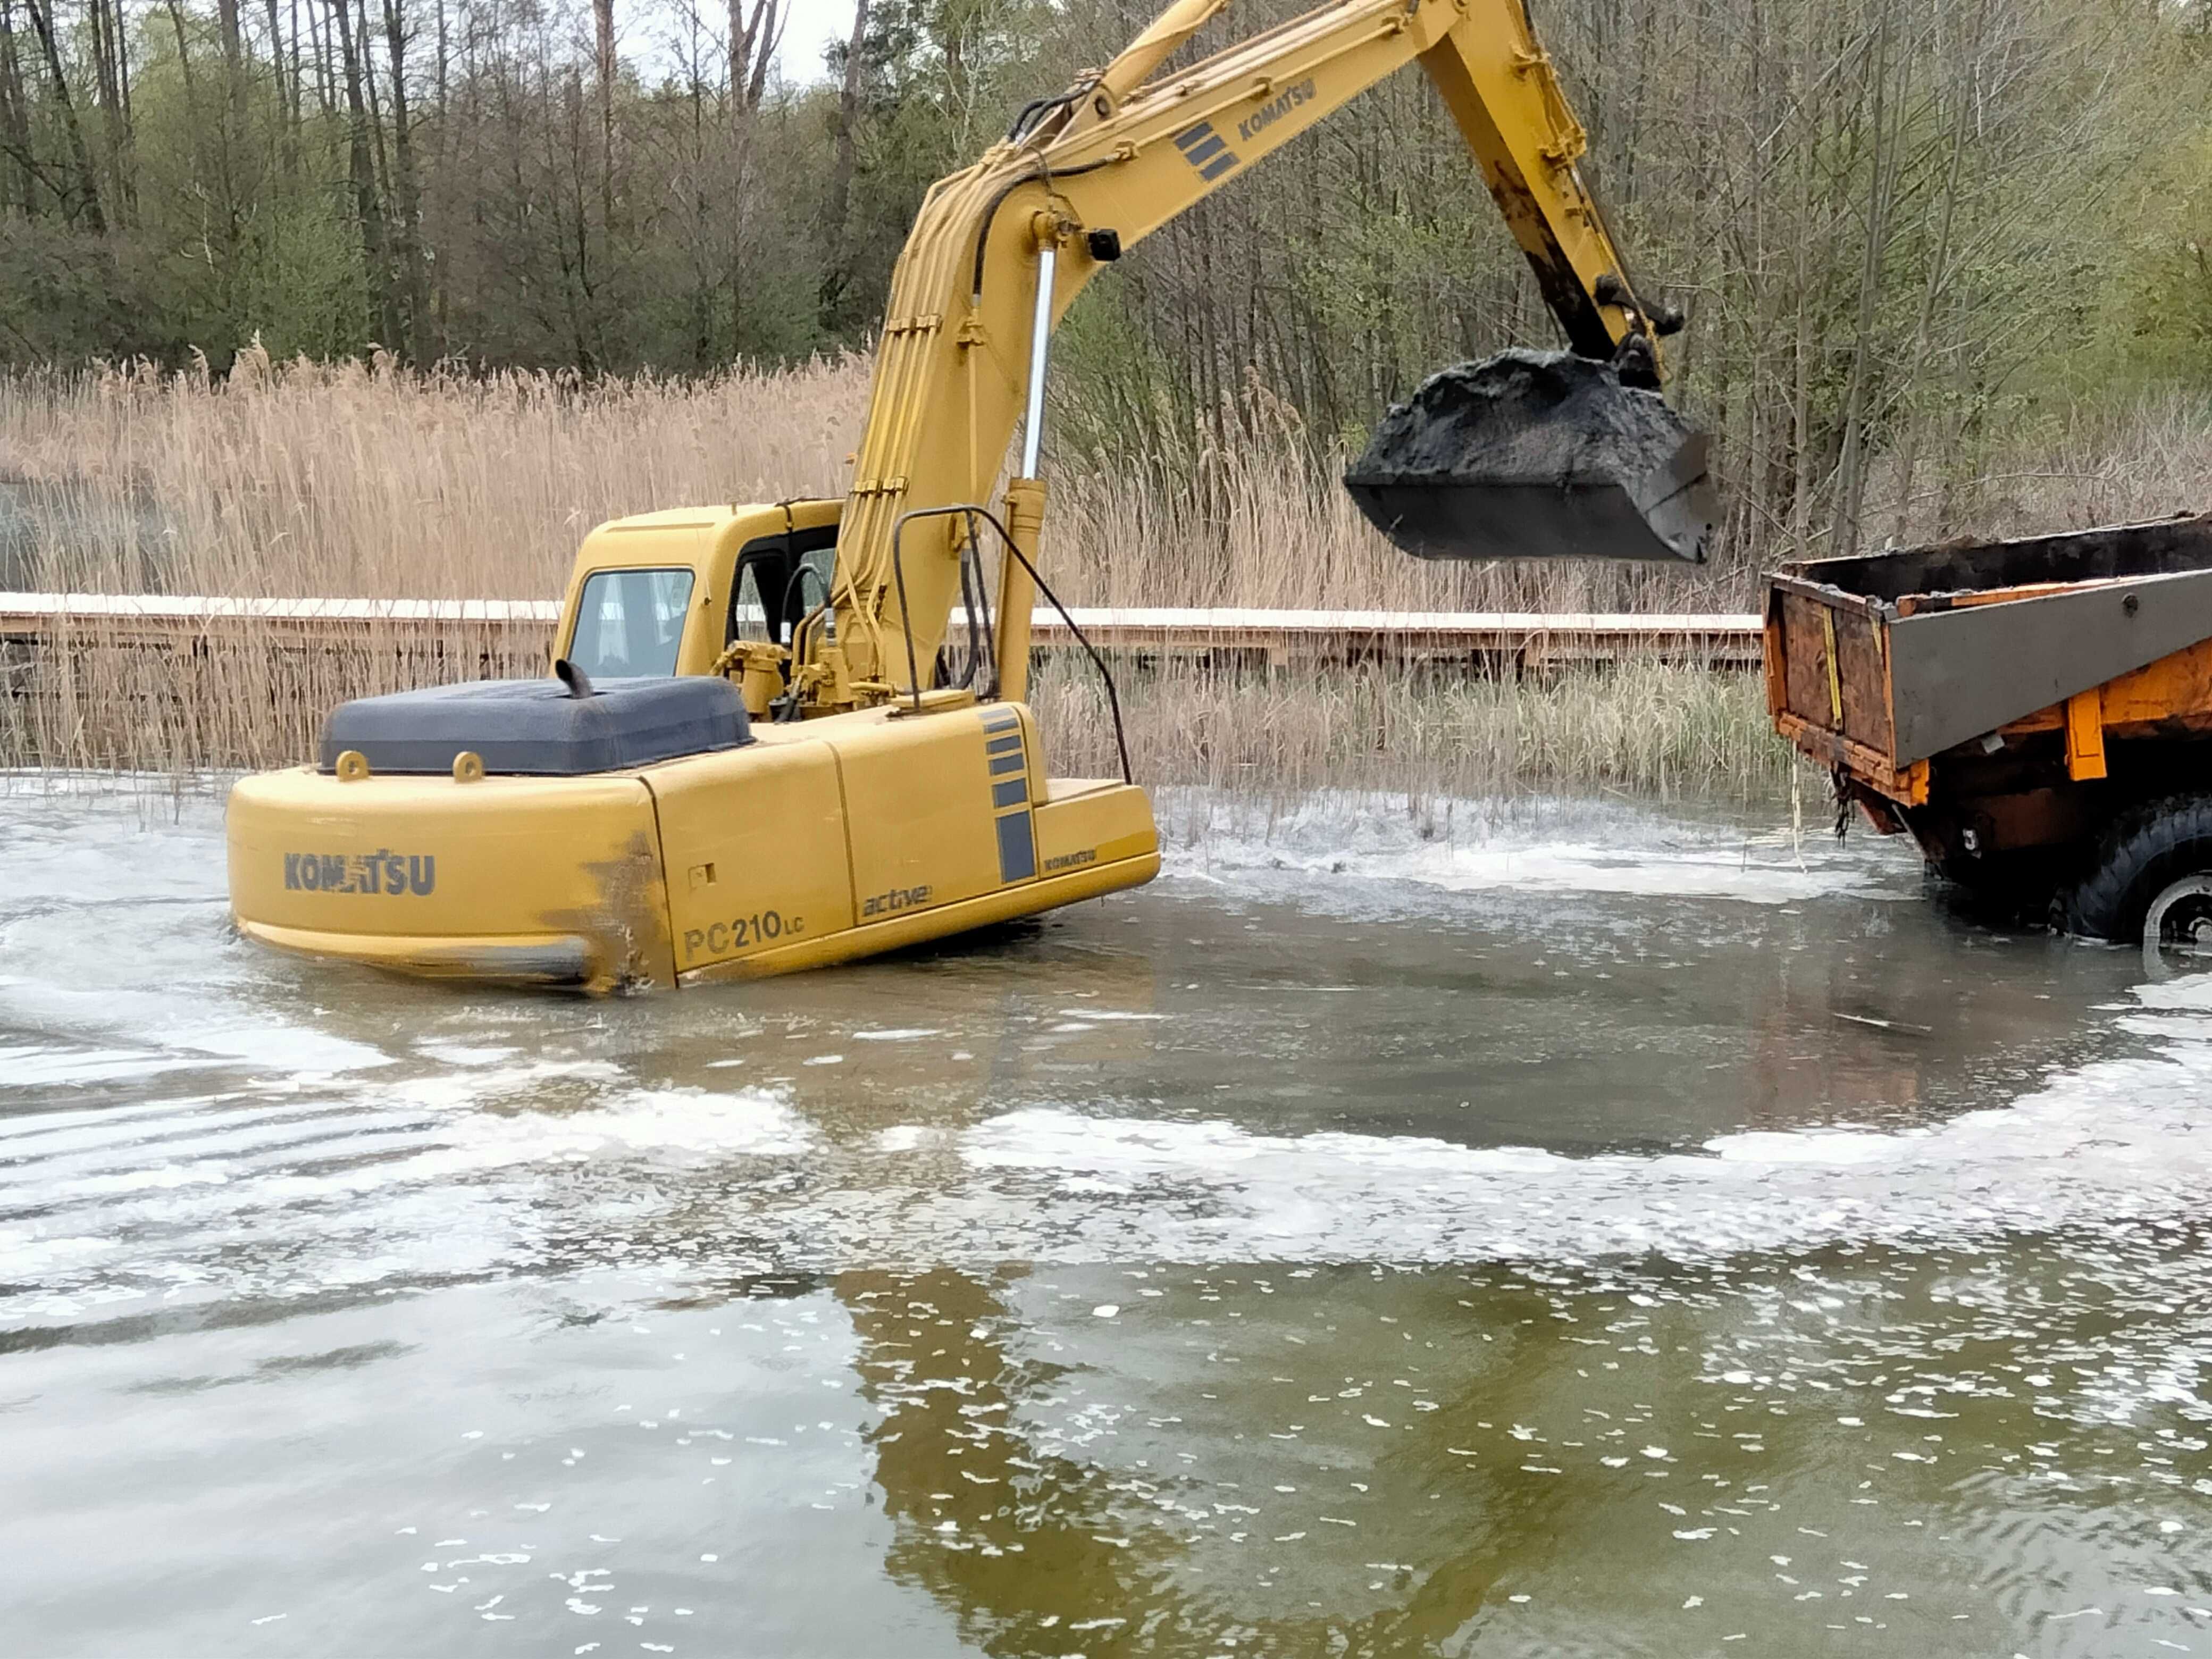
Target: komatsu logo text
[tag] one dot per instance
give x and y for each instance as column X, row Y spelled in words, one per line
column 899, row 898
column 1274, row 110
column 391, row 874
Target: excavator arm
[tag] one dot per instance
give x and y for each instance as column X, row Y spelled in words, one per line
column 1001, row 249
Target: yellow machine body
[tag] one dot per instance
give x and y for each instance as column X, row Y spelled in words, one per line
column 876, row 805
column 818, row 841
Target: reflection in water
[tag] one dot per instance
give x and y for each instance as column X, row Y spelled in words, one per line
column 1353, row 1460
column 1629, row 1237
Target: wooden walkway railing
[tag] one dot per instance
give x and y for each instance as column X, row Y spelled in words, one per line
column 509, row 627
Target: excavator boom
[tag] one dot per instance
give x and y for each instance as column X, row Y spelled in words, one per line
column 1001, row 249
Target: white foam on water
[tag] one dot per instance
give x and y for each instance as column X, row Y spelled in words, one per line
column 1593, row 869
column 463, row 1054
column 472, row 1133
column 631, row 1125
column 1537, row 846
column 441, row 1173
column 914, row 1138
column 31, row 1257
column 34, row 1066
column 681, row 1120
column 2117, row 1140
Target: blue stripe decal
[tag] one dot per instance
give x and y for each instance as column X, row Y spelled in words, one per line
column 1190, row 136
column 1012, row 792
column 1001, row 745
column 1218, row 166
column 1002, row 764
column 1199, row 155
column 1017, row 847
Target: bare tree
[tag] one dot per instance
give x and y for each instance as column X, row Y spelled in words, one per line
column 835, row 240
column 81, row 202
column 406, row 194
column 361, row 176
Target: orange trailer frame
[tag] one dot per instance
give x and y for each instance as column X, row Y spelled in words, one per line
column 2006, row 703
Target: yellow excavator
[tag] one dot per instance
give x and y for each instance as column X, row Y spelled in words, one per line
column 765, row 745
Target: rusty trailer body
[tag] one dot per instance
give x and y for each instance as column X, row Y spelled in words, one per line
column 2037, row 714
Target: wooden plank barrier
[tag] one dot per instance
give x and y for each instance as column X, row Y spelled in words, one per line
column 171, row 684
column 513, row 627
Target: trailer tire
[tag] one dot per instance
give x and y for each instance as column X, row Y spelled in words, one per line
column 2142, row 852
column 2003, row 889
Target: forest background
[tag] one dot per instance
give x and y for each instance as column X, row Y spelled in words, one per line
column 1944, row 260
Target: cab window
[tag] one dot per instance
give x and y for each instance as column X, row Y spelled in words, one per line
column 629, row 624
column 752, row 616
column 780, row 579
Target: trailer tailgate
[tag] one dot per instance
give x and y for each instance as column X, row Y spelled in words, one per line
column 1828, row 676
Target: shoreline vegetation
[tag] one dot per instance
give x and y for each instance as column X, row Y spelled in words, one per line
column 371, row 480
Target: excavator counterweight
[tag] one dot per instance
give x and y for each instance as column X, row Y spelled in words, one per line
column 1537, row 455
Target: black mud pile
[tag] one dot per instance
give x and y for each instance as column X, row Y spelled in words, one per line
column 1536, row 454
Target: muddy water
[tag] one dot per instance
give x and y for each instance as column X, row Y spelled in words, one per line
column 1574, row 1230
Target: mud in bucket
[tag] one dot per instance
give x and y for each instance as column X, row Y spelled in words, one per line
column 1537, row 455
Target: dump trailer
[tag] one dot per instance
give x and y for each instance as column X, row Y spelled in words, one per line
column 2036, row 713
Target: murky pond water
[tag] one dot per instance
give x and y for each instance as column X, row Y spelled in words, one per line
column 1592, row 1231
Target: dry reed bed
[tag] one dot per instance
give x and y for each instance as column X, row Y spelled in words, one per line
column 1667, row 731
column 359, row 480
column 96, row 700
column 351, row 481
column 346, row 480
column 364, row 481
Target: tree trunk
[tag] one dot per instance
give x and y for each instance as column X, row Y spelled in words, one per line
column 406, row 192
column 326, row 92
column 18, row 187
column 107, row 25
column 769, row 22
column 837, row 275
column 603, row 19
column 234, row 120
column 1850, row 468
column 361, row 175
column 288, row 111
column 87, row 188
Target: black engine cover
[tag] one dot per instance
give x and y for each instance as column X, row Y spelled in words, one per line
column 536, row 728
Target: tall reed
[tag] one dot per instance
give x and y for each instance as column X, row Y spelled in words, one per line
column 367, row 481
column 98, row 697
column 1669, row 731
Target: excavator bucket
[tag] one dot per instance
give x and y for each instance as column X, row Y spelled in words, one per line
column 1537, row 455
